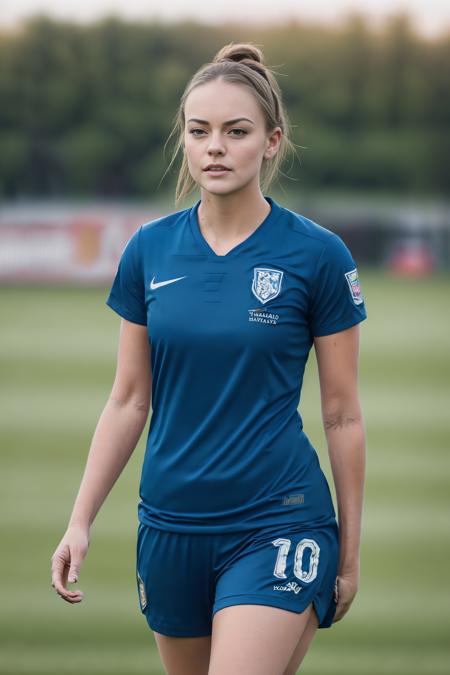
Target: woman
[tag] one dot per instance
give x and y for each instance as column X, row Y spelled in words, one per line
column 239, row 555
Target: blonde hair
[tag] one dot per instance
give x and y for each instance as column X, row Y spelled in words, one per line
column 241, row 63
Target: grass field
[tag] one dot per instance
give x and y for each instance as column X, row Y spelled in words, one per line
column 57, row 360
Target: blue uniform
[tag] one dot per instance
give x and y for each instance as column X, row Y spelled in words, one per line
column 230, row 336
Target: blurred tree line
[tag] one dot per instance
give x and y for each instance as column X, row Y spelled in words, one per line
column 86, row 110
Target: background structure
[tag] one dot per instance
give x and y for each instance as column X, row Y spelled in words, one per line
column 86, row 107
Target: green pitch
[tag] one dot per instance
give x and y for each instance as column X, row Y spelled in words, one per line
column 57, row 360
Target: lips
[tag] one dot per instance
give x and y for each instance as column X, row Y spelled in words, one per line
column 217, row 167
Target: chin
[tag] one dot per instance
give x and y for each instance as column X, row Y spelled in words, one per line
column 224, row 189
column 217, row 189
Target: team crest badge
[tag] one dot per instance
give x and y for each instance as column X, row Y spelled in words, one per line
column 354, row 285
column 142, row 593
column 266, row 283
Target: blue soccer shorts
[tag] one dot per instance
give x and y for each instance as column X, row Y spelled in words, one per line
column 183, row 578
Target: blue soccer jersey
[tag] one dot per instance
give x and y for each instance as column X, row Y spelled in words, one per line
column 230, row 336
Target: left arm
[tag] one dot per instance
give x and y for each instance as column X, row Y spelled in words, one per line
column 337, row 360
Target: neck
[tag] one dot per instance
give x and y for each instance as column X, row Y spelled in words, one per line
column 232, row 215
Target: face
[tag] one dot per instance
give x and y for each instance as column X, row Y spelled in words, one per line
column 210, row 138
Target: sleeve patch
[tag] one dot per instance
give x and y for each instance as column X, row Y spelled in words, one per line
column 354, row 285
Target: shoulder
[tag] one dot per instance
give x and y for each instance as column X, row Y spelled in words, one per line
column 164, row 223
column 306, row 232
column 153, row 234
column 319, row 248
column 307, row 235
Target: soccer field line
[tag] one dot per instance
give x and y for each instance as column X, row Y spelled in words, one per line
column 116, row 603
column 117, row 658
column 399, row 521
column 113, row 659
column 412, row 465
column 377, row 660
column 74, row 406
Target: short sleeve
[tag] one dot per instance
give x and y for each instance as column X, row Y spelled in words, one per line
column 127, row 294
column 336, row 301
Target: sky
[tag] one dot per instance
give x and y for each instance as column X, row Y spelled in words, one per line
column 431, row 18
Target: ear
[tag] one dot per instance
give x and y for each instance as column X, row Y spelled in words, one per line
column 270, row 152
column 272, row 148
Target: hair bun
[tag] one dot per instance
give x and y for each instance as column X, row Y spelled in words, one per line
column 241, row 51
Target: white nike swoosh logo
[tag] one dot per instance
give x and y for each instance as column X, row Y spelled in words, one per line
column 163, row 283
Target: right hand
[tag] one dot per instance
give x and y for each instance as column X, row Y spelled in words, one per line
column 66, row 562
column 345, row 589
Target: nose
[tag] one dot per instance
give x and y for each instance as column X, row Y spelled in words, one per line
column 216, row 145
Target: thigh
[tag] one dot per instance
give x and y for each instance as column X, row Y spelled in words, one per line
column 303, row 644
column 175, row 582
column 184, row 655
column 255, row 639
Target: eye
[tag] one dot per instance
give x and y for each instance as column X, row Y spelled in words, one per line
column 242, row 131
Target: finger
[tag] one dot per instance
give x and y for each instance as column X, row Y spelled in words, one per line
column 338, row 615
column 69, row 594
column 59, row 576
column 74, row 569
column 58, row 564
column 342, row 610
column 73, row 598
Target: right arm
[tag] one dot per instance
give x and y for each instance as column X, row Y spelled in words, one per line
column 117, row 433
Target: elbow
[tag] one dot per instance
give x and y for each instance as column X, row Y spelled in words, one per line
column 142, row 406
column 136, row 403
column 341, row 412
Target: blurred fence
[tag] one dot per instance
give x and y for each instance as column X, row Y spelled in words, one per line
column 66, row 242
column 408, row 237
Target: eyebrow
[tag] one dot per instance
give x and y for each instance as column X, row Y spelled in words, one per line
column 225, row 124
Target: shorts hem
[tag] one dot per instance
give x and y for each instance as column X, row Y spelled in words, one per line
column 252, row 599
column 177, row 632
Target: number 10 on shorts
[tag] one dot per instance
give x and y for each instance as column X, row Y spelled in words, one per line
column 283, row 549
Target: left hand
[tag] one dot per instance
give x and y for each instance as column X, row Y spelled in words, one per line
column 346, row 587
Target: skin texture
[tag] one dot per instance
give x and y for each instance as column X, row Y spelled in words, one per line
column 239, row 643
column 337, row 360
column 246, row 639
column 118, row 430
column 232, row 206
